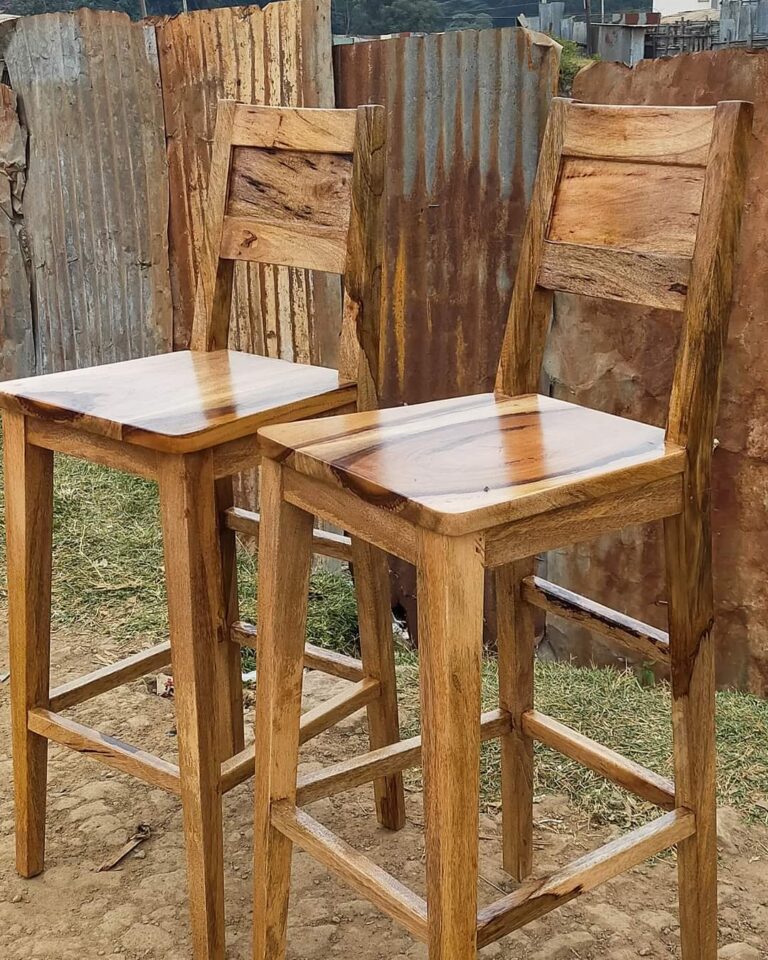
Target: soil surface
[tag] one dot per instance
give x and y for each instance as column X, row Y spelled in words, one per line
column 138, row 909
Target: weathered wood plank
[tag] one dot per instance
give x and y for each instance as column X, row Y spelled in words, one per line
column 96, row 199
column 654, row 280
column 609, row 764
column 644, row 134
column 642, row 638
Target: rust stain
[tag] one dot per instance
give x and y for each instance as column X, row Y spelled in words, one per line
column 466, row 112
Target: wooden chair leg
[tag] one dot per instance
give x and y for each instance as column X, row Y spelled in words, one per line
column 229, row 698
column 691, row 610
column 285, row 544
column 516, row 651
column 377, row 652
column 450, row 592
column 29, row 513
column 195, row 611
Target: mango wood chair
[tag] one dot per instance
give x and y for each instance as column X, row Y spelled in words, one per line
column 293, row 187
column 636, row 204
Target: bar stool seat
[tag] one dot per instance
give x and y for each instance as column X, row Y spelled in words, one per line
column 180, row 402
column 455, row 466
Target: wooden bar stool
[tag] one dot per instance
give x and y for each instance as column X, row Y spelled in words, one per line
column 638, row 204
column 292, row 187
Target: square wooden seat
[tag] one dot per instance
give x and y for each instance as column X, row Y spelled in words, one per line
column 456, row 466
column 180, row 402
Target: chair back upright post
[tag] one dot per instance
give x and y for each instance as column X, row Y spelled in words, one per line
column 296, row 187
column 641, row 205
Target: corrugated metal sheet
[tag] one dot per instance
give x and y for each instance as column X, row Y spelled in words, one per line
column 280, row 55
column 620, row 359
column 466, row 113
column 95, row 206
column 17, row 351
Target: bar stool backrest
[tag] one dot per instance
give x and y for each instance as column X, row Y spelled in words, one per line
column 295, row 187
column 643, row 205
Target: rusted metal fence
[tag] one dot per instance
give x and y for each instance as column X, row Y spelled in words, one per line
column 466, row 113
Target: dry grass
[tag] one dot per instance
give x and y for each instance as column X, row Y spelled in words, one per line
column 109, row 563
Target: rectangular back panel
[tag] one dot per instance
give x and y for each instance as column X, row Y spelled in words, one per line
column 627, row 202
column 288, row 207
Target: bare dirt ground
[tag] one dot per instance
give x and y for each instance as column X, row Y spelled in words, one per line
column 138, row 910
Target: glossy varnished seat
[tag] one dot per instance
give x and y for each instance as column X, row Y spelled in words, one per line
column 180, row 402
column 456, row 466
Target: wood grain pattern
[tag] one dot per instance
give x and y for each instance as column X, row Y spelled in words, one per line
column 516, row 644
column 460, row 465
column 450, row 584
column 285, row 542
column 213, row 292
column 377, row 652
column 583, row 521
column 522, row 350
column 653, row 280
column 291, row 187
column 607, row 763
column 688, row 538
column 649, row 641
column 362, row 874
column 179, row 402
column 315, row 658
column 645, row 134
column 540, row 897
column 229, row 670
column 29, row 523
column 286, row 128
column 324, row 542
column 295, row 245
column 107, row 750
column 365, row 255
column 108, row 678
column 644, row 207
column 196, row 618
column 113, row 454
column 348, row 774
column 241, row 767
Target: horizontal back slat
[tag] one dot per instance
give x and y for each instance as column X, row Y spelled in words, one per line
column 652, row 280
column 285, row 128
column 627, row 205
column 297, row 244
column 660, row 135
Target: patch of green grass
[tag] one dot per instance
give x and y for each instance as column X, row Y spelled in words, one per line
column 108, row 564
column 108, row 581
column 613, row 708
